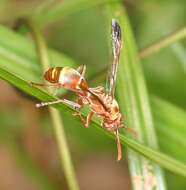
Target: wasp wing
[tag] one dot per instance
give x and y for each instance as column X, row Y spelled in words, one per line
column 81, row 69
column 116, row 48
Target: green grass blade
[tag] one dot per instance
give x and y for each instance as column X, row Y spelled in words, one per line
column 179, row 51
column 63, row 147
column 134, row 102
column 155, row 156
column 170, row 123
column 163, row 42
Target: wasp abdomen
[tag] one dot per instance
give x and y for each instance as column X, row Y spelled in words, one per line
column 71, row 79
column 52, row 75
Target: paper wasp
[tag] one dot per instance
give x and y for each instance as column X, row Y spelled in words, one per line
column 101, row 102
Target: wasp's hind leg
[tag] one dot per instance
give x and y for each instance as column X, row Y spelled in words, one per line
column 86, row 121
column 119, row 149
column 65, row 101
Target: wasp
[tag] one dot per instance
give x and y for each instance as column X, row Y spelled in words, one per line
column 101, row 101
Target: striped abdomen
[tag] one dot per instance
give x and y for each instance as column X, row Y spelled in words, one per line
column 67, row 77
column 52, row 74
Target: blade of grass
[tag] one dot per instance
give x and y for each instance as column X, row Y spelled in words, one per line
column 179, row 51
column 134, row 101
column 66, row 160
column 165, row 161
column 170, row 123
column 163, row 42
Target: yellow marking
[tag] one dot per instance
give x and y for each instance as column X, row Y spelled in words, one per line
column 53, row 72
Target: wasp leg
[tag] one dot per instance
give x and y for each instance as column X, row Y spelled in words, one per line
column 88, row 118
column 118, row 145
column 65, row 101
column 81, row 117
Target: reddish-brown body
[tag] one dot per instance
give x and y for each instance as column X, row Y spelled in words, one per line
column 101, row 103
column 104, row 106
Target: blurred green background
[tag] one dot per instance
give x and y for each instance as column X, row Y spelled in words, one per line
column 28, row 154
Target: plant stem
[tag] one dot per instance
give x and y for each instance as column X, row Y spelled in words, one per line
column 65, row 157
column 163, row 42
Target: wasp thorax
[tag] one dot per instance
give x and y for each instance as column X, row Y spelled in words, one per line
column 52, row 74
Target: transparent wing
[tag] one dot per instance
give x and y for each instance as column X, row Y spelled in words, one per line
column 116, row 48
column 81, row 69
